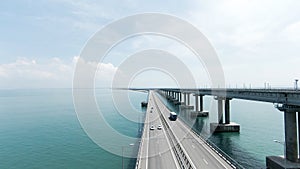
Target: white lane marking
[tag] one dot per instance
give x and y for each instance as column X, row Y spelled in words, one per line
column 163, row 111
column 193, row 146
column 148, row 128
column 147, row 141
column 159, row 154
column 170, row 147
column 211, row 152
column 205, row 161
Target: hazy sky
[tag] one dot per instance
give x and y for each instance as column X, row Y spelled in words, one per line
column 256, row 41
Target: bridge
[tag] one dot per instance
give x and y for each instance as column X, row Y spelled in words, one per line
column 175, row 145
column 195, row 154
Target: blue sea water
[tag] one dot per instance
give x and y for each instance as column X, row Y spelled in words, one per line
column 39, row 129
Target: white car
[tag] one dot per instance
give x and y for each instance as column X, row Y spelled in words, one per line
column 159, row 127
column 152, row 127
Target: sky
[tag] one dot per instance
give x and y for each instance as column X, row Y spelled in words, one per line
column 257, row 42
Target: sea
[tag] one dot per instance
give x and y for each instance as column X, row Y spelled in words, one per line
column 39, row 128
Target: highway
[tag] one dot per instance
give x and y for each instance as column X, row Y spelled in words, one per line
column 190, row 151
column 156, row 148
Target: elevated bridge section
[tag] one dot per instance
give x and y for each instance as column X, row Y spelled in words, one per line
column 175, row 145
column 285, row 100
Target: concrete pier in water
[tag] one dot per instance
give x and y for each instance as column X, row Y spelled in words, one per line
column 226, row 126
column 199, row 108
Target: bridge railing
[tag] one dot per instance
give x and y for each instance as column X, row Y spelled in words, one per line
column 139, row 155
column 220, row 152
column 216, row 149
column 180, row 154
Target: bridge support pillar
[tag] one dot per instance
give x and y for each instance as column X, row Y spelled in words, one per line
column 227, row 111
column 290, row 159
column 196, row 103
column 186, row 103
column 176, row 99
column 201, row 102
column 221, row 126
column 220, row 111
column 290, row 126
column 199, row 112
column 180, row 97
column 299, row 133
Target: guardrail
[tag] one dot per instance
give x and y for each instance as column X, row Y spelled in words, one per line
column 216, row 149
column 178, row 151
column 139, row 156
column 220, row 152
column 139, row 153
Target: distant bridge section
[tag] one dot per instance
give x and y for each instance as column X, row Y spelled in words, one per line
column 281, row 96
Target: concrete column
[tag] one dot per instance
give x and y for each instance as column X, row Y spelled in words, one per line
column 196, row 103
column 188, row 99
column 299, row 131
column 179, row 97
column 220, row 111
column 227, row 111
column 291, row 148
column 201, row 102
column 184, row 100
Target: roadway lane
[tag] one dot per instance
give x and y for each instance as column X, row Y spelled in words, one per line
column 156, row 149
column 199, row 153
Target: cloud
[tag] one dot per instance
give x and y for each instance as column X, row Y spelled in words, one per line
column 53, row 73
column 292, row 32
column 257, row 41
column 249, row 36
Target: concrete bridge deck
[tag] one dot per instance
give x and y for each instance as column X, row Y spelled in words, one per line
column 281, row 96
column 155, row 150
column 176, row 145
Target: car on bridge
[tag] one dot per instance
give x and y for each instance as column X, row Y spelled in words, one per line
column 152, row 127
column 173, row 116
column 159, row 127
